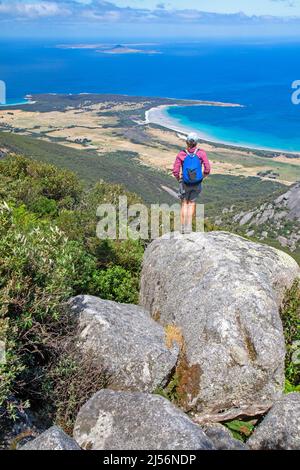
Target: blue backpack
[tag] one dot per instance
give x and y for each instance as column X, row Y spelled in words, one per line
column 192, row 172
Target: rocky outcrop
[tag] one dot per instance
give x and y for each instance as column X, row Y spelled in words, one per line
column 280, row 430
column 52, row 439
column 224, row 294
column 125, row 340
column 222, row 438
column 286, row 206
column 271, row 220
column 136, row 421
column 290, row 201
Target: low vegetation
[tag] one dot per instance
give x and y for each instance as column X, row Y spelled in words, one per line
column 49, row 252
column 290, row 314
column 241, row 429
column 125, row 168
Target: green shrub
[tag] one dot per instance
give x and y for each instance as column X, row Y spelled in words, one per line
column 170, row 392
column 289, row 388
column 290, row 314
column 44, row 206
column 239, row 429
column 72, row 223
column 116, row 283
column 39, row 270
column 49, row 252
column 125, row 253
column 26, row 180
column 109, row 193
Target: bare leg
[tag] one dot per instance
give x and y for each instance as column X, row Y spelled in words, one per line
column 186, row 217
column 191, row 210
column 184, row 214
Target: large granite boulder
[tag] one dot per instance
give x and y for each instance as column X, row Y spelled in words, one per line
column 222, row 438
column 223, row 292
column 136, row 421
column 52, row 439
column 125, row 341
column 280, row 429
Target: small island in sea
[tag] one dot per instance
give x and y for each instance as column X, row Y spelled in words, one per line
column 104, row 49
column 119, row 49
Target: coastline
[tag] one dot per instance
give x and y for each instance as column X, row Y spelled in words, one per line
column 159, row 116
column 26, row 100
column 85, row 122
column 154, row 113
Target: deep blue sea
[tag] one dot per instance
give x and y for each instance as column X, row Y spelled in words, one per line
column 257, row 75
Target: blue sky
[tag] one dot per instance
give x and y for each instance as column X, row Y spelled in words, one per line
column 149, row 18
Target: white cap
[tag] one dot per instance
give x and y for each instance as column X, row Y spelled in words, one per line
column 192, row 137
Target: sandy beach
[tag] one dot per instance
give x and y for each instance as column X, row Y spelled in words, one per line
column 160, row 116
column 100, row 123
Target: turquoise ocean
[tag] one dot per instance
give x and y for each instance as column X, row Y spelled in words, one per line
column 257, row 74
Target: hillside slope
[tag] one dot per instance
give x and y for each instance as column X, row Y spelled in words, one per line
column 125, row 168
column 276, row 222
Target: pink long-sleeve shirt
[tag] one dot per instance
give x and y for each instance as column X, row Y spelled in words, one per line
column 182, row 155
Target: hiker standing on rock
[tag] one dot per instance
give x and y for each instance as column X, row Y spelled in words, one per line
column 190, row 168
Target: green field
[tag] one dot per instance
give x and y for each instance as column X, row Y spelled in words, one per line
column 286, row 171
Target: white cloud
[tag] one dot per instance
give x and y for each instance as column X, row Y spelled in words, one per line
column 107, row 12
column 33, row 9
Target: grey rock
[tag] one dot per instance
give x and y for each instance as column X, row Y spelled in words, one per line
column 237, row 217
column 246, row 218
column 52, row 439
column 291, row 201
column 281, row 199
column 125, row 340
column 281, row 214
column 250, row 233
column 280, row 429
column 222, row 438
column 283, row 241
column 136, row 421
column 274, row 215
column 255, row 409
column 224, row 293
column 268, row 214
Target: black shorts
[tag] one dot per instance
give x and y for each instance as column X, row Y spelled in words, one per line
column 190, row 192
